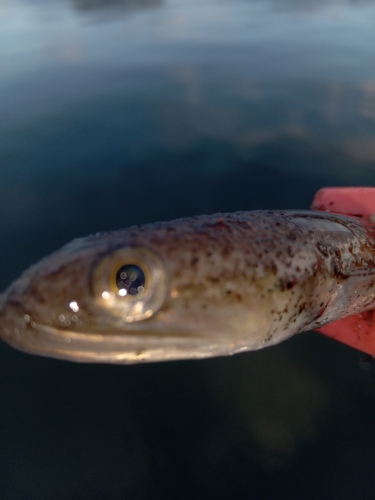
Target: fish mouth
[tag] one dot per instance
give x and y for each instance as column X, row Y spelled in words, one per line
column 114, row 346
column 149, row 340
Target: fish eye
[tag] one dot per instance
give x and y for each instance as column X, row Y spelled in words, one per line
column 130, row 278
column 130, row 283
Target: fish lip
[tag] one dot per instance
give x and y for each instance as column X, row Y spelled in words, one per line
column 12, row 314
column 132, row 344
column 115, row 347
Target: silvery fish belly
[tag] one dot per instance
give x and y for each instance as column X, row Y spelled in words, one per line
column 192, row 288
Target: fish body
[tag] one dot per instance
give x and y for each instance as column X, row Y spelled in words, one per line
column 192, row 288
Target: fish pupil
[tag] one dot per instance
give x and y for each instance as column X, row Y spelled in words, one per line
column 130, row 279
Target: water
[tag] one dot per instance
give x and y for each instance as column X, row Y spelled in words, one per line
column 134, row 111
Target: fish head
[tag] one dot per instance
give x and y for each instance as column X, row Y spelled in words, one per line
column 142, row 294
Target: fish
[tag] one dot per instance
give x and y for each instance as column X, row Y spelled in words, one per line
column 192, row 288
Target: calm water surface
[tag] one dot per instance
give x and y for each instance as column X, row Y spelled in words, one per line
column 122, row 112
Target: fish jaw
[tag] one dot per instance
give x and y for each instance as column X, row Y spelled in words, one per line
column 177, row 331
column 113, row 347
column 180, row 330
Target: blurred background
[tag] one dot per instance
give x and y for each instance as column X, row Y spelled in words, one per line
column 122, row 112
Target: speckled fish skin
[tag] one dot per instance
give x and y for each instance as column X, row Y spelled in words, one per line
column 234, row 282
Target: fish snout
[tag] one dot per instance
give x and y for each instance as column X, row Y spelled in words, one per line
column 15, row 322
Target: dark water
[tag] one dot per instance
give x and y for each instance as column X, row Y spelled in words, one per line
column 132, row 111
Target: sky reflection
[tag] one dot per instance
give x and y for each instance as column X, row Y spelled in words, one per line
column 45, row 44
column 62, row 33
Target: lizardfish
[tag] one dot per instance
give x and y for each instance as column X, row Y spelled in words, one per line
column 192, row 288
